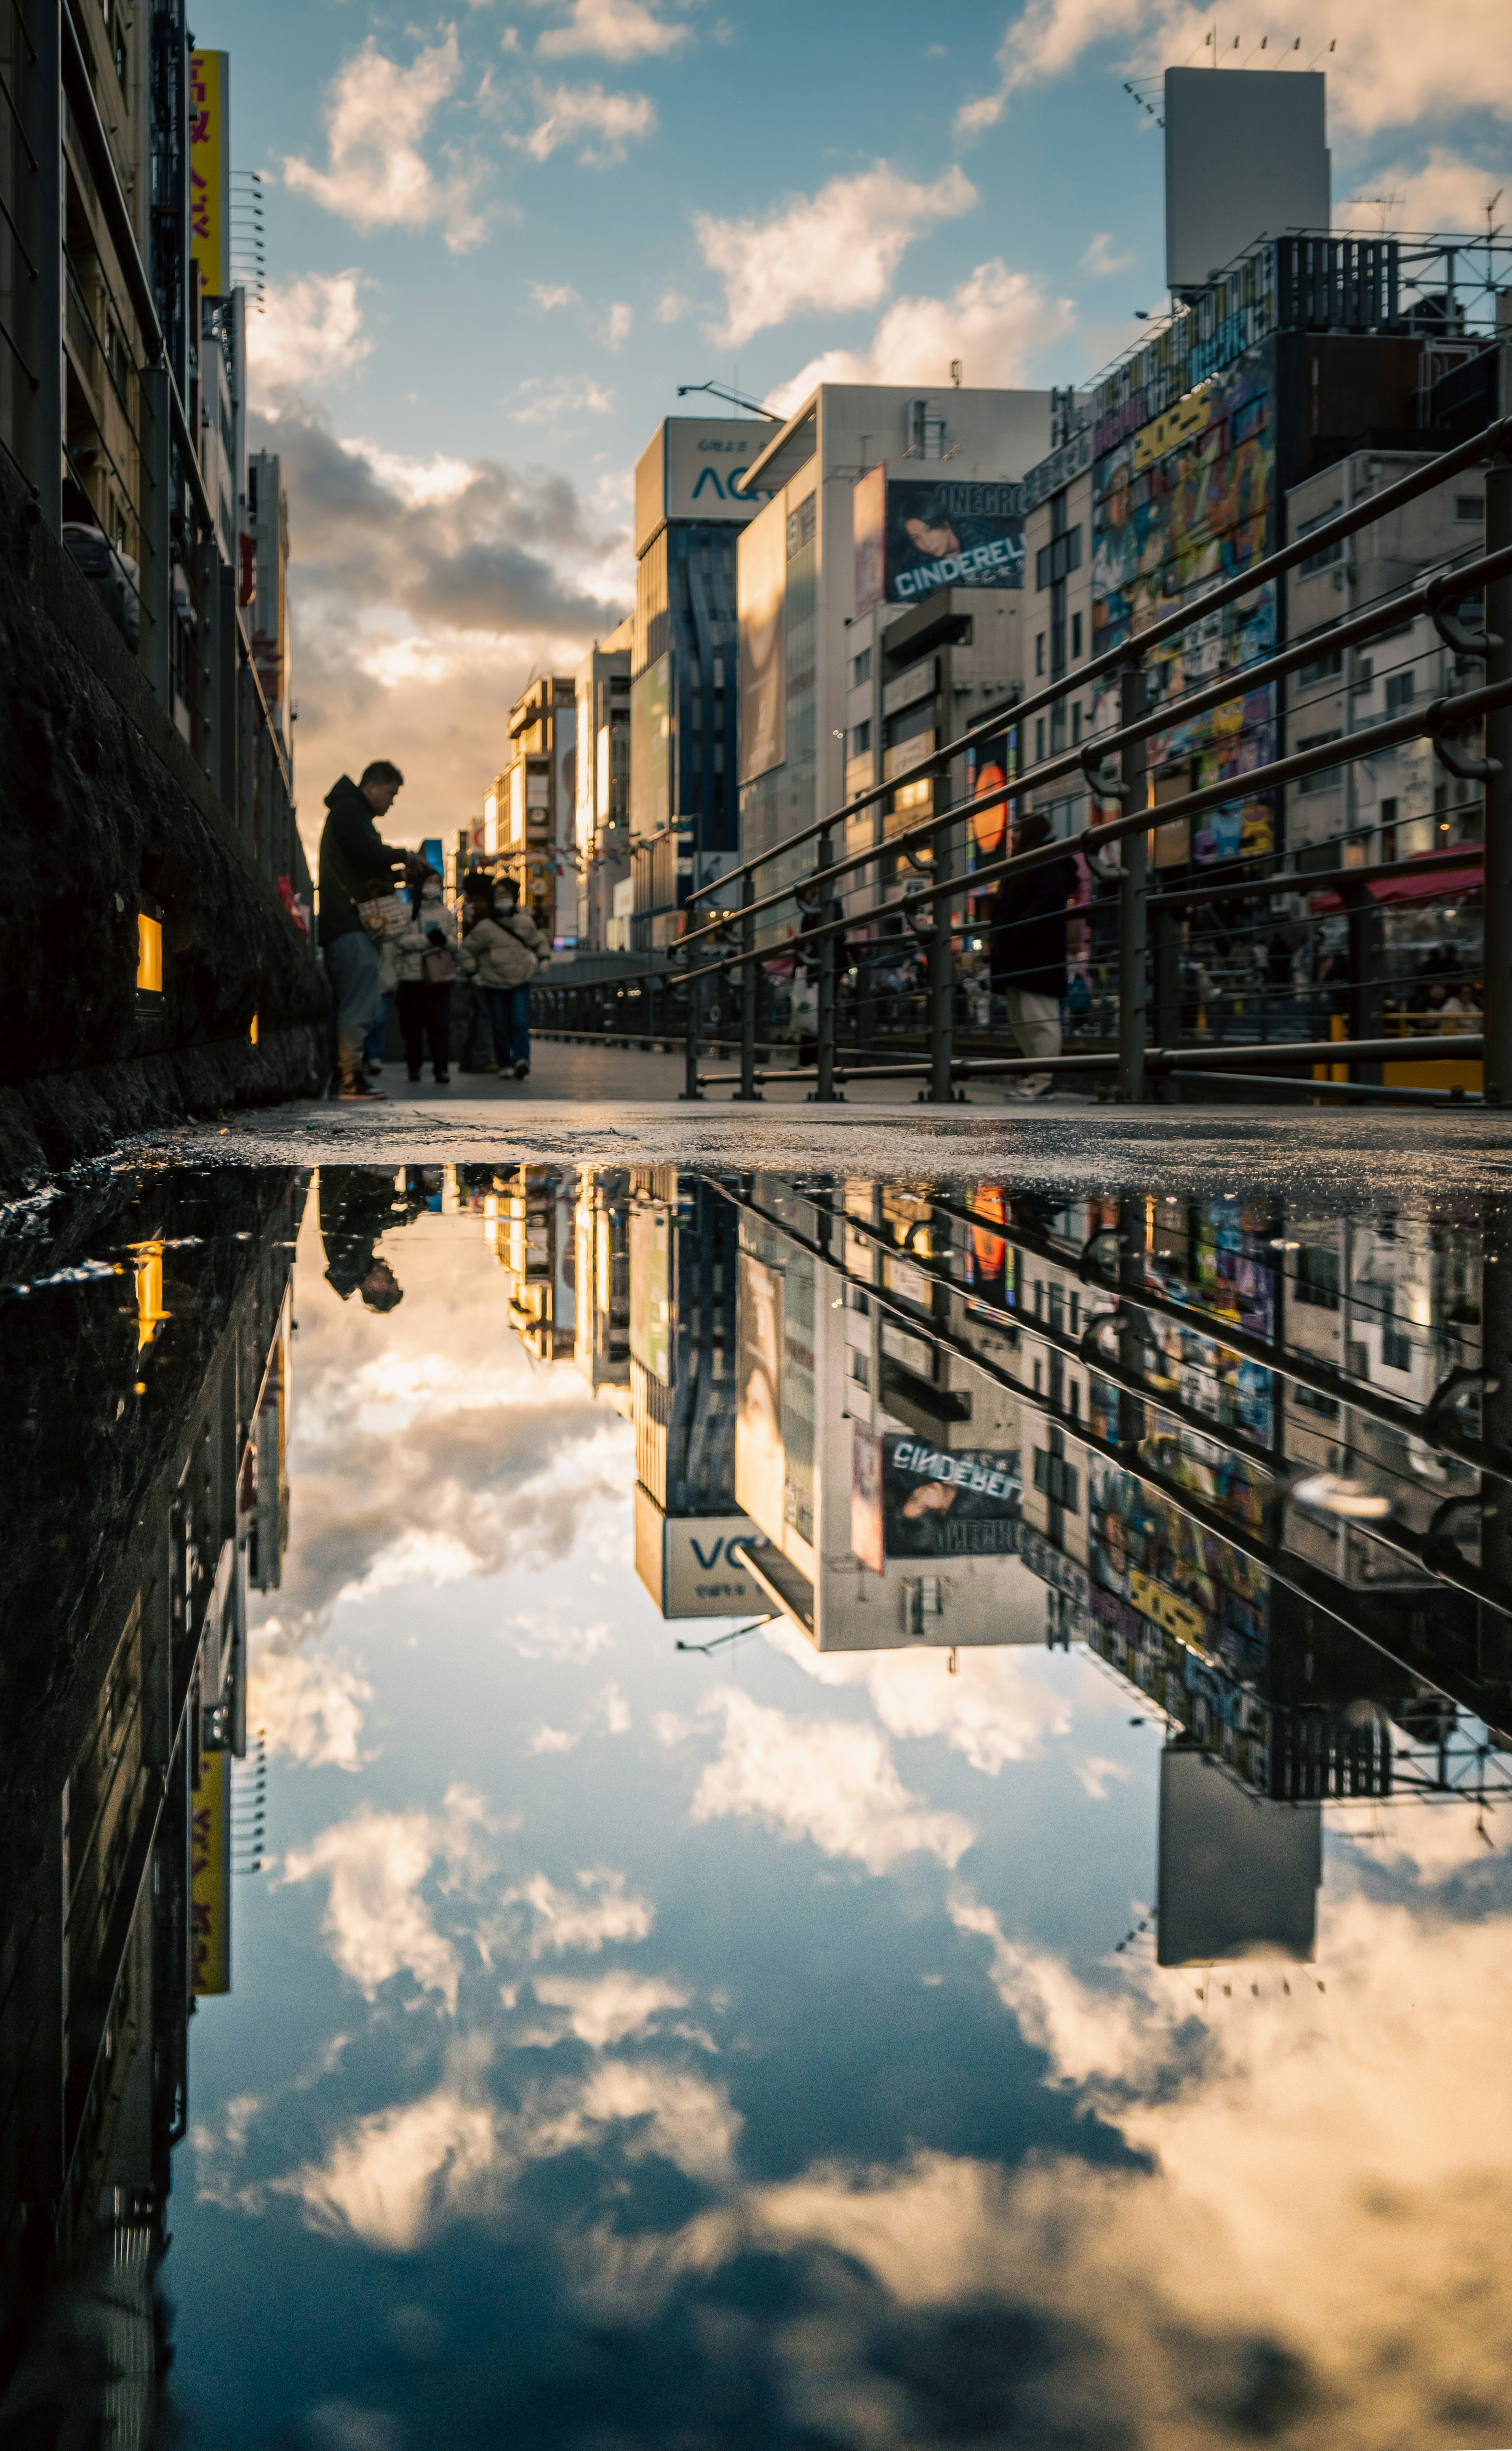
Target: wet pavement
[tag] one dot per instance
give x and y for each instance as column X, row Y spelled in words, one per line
column 826, row 1779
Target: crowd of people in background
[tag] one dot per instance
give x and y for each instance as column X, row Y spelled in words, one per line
column 390, row 939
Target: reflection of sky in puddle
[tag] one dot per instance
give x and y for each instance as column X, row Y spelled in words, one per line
column 633, row 2046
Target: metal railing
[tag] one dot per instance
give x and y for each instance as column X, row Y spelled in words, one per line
column 898, row 961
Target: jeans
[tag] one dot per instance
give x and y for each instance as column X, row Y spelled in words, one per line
column 509, row 1020
column 351, row 965
column 374, row 1043
column 425, row 1016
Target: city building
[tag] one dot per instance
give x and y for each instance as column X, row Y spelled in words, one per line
column 268, row 523
column 530, row 813
column 527, row 1221
column 684, row 811
column 886, row 508
column 602, row 819
column 601, row 1257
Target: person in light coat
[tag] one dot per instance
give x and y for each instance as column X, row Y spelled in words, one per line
column 425, row 950
column 501, row 954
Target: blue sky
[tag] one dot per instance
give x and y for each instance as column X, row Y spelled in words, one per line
column 499, row 238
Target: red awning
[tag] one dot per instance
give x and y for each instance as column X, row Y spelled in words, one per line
column 1460, row 882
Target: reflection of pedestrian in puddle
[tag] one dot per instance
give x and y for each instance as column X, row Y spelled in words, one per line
column 357, row 1205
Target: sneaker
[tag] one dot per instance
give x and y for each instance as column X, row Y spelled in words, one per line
column 521, row 1072
column 363, row 1093
column 490, row 1068
column 443, row 1080
column 415, row 1075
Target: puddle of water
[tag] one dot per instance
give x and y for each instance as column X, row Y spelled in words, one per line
column 655, row 1808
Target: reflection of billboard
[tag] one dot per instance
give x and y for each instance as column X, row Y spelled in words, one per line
column 939, row 1503
column 950, row 533
column 1146, row 1548
column 1189, row 501
column 211, row 171
column 866, row 1499
column 987, row 1268
column 211, row 1877
column 759, row 1462
column 869, row 519
column 1239, row 1872
column 651, row 750
column 761, row 591
column 649, row 1289
column 685, row 1564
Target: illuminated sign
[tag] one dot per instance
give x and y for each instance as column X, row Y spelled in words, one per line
column 211, row 171
column 211, row 1877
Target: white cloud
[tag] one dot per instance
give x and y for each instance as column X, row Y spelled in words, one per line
column 617, row 328
column 394, row 2174
column 830, row 252
column 997, row 1709
column 1446, row 193
column 376, row 1920
column 547, row 294
column 548, row 1637
column 307, row 1707
column 309, row 332
column 603, row 122
column 604, row 2008
column 547, row 403
column 830, row 1780
column 378, row 178
column 610, row 29
column 1101, row 257
column 598, row 1911
column 1383, row 73
column 672, row 305
column 553, row 1740
column 994, row 321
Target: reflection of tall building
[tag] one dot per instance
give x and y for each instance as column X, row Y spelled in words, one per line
column 683, row 1248
column 527, row 1224
column 128, row 1695
column 601, row 1234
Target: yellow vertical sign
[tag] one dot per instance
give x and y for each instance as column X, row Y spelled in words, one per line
column 211, row 171
column 211, row 1877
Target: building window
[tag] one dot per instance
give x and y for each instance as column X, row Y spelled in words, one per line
column 1400, row 690
column 1077, row 718
column 1327, row 777
column 1317, row 1282
column 1056, row 1480
column 861, row 667
column 1076, row 637
column 1322, row 667
column 1470, row 507
column 860, row 739
column 1039, row 652
column 1039, row 740
column 801, row 524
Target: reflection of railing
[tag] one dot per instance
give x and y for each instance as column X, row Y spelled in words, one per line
column 842, row 905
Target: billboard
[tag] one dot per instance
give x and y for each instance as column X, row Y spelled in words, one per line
column 761, row 597
column 684, row 1562
column 650, row 1289
column 1185, row 502
column 211, row 171
column 1245, row 158
column 211, row 1877
column 917, row 535
column 690, row 470
column 651, row 750
column 941, row 1503
column 1239, row 1874
column 990, row 762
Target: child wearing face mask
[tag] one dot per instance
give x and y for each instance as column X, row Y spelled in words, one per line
column 426, row 955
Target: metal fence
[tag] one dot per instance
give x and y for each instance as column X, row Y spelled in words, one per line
column 1273, row 976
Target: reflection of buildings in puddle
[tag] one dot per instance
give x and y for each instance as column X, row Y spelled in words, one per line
column 119, row 1841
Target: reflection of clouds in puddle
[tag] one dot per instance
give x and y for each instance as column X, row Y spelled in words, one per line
column 1098, row 1774
column 833, row 1781
column 996, row 1708
column 606, row 2008
column 558, row 1920
column 540, row 1636
column 307, row 1706
column 376, row 1920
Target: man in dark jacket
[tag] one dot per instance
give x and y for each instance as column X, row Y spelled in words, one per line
column 1028, row 952
column 355, row 867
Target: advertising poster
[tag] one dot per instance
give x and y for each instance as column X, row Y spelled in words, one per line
column 761, row 1466
column 1183, row 503
column 987, row 1268
column 651, row 751
column 942, row 532
column 869, row 522
column 937, row 1503
column 211, row 1877
column 649, row 1271
column 866, row 1499
column 211, row 171
column 761, row 596
column 1146, row 1547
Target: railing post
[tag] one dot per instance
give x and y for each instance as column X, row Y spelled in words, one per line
column 942, row 981
column 1133, row 983
column 1497, row 956
column 748, row 1094
column 824, row 1092
column 690, row 1089
column 1367, row 937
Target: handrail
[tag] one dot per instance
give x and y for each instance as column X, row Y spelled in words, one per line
column 1491, row 440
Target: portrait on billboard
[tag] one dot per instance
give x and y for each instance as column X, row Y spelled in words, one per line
column 942, row 1503
column 761, row 599
column 950, row 533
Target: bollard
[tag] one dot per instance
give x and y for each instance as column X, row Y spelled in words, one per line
column 1133, row 985
column 748, row 1094
column 1497, row 956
